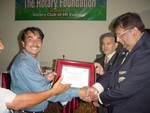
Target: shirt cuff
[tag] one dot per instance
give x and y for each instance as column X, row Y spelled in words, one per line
column 100, row 89
column 64, row 103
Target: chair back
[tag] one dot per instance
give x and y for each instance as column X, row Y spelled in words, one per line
column 6, row 79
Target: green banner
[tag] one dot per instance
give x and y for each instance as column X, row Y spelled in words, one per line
column 60, row 10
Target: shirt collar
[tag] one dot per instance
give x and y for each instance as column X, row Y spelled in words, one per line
column 25, row 53
column 110, row 55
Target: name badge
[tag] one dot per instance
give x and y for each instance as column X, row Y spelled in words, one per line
column 122, row 72
column 121, row 79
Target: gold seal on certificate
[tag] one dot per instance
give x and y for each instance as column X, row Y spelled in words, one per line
column 77, row 73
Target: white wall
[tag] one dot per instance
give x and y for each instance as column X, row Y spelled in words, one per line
column 78, row 40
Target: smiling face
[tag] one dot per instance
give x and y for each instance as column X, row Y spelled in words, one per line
column 32, row 43
column 108, row 45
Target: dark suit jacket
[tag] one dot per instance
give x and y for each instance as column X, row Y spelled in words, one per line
column 107, row 66
column 128, row 89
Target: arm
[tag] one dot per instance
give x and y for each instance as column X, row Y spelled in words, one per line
column 31, row 99
column 136, row 79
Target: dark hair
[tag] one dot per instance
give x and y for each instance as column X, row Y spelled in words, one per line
column 128, row 21
column 33, row 30
column 109, row 34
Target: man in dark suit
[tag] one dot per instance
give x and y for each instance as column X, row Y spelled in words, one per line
column 126, row 88
column 108, row 47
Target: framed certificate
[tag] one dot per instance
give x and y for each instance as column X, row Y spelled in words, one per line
column 77, row 73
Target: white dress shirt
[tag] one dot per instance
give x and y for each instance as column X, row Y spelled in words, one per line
column 110, row 56
column 99, row 88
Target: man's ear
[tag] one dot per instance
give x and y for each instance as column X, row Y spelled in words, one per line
column 22, row 43
column 116, row 44
column 134, row 31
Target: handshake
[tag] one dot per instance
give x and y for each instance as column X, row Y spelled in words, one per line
column 89, row 94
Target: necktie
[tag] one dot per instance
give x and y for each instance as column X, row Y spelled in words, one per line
column 124, row 58
column 106, row 60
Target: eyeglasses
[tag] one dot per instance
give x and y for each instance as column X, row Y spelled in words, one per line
column 120, row 35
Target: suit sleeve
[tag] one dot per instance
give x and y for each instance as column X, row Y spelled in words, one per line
column 104, row 80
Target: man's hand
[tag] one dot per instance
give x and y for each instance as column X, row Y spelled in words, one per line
column 50, row 76
column 99, row 69
column 96, row 104
column 60, row 88
column 89, row 94
column 93, row 94
column 83, row 94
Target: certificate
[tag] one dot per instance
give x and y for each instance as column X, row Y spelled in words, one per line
column 76, row 73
